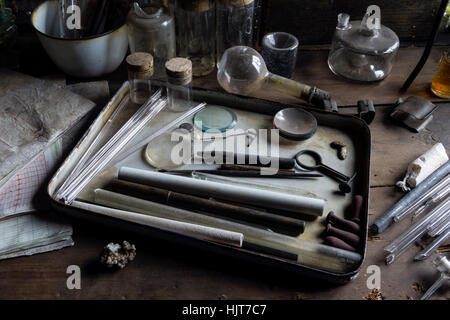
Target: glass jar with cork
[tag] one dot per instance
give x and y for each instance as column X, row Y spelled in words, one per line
column 196, row 34
column 236, row 24
column 179, row 87
column 140, row 71
column 151, row 29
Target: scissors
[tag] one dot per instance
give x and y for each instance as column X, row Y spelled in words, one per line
column 344, row 181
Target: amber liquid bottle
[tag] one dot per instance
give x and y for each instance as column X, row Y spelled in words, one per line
column 440, row 85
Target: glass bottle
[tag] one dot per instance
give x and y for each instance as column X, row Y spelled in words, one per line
column 152, row 29
column 236, row 24
column 140, row 71
column 196, row 34
column 179, row 87
column 362, row 51
column 440, row 85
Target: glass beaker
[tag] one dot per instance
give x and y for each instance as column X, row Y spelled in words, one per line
column 279, row 50
column 440, row 85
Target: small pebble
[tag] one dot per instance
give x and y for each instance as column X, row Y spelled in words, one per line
column 341, row 149
column 375, row 294
column 342, row 153
column 337, row 144
column 116, row 255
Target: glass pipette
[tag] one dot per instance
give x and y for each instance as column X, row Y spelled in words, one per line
column 419, row 226
column 433, row 245
column 416, row 204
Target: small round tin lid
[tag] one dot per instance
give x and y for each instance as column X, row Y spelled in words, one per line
column 295, row 123
column 140, row 62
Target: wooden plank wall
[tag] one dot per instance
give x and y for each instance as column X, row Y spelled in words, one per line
column 313, row 21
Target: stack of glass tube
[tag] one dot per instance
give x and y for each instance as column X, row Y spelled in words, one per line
column 435, row 205
column 432, row 195
column 93, row 165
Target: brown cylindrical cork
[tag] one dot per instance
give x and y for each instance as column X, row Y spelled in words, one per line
column 343, row 224
column 235, row 3
column 179, row 71
column 140, row 65
column 356, row 208
column 346, row 236
column 338, row 243
column 196, row 5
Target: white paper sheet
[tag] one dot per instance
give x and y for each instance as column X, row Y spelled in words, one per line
column 31, row 230
column 16, row 196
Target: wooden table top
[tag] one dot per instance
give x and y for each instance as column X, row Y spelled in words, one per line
column 166, row 271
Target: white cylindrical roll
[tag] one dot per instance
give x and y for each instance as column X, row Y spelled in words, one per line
column 426, row 164
column 261, row 198
column 308, row 253
column 190, row 229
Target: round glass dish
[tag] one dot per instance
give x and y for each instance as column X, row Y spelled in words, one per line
column 158, row 152
column 215, row 119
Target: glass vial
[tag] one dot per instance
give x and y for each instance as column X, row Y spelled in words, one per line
column 179, row 84
column 140, row 70
column 152, row 29
column 196, row 34
column 236, row 24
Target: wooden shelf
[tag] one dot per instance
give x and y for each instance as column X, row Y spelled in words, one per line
column 312, row 69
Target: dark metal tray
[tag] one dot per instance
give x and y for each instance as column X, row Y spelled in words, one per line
column 350, row 126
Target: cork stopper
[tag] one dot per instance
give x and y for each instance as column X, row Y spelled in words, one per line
column 196, row 5
column 141, row 62
column 235, row 3
column 179, row 68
